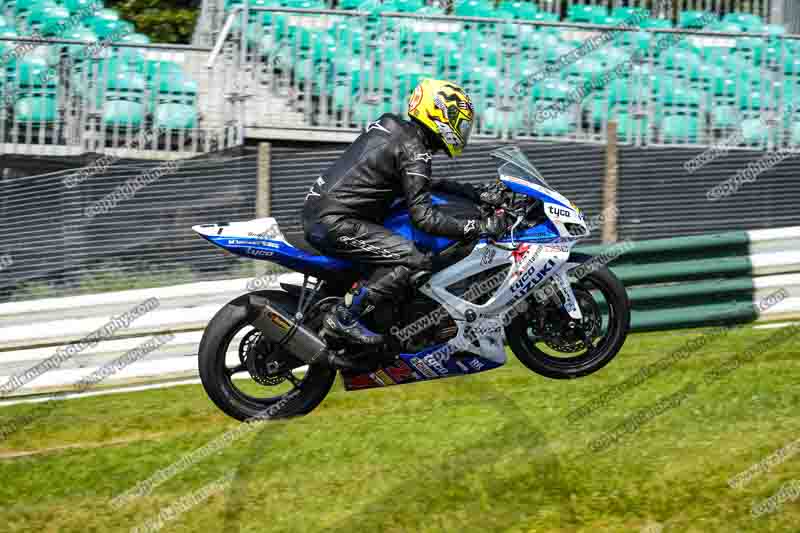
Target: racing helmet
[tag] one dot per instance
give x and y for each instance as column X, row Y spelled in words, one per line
column 444, row 109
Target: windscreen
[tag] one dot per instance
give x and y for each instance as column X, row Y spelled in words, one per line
column 511, row 161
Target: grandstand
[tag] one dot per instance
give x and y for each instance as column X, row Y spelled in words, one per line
column 665, row 77
column 77, row 78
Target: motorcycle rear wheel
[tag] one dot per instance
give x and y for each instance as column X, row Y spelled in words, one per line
column 217, row 376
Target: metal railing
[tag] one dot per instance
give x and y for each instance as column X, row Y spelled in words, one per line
column 64, row 97
column 338, row 70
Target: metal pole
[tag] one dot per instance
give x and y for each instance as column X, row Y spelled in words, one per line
column 263, row 192
column 609, row 232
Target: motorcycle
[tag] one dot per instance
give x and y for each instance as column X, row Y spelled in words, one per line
column 563, row 315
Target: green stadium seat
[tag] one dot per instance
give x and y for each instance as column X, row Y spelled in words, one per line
column 677, row 59
column 620, row 91
column 585, row 13
column 611, row 56
column 775, row 29
column 93, row 72
column 543, row 16
column 791, row 93
column 770, row 55
column 349, row 35
column 496, row 121
column 791, row 65
column 546, row 42
column 485, row 51
column 155, row 70
column 636, row 40
column 794, row 137
column 172, row 116
column 716, row 55
column 550, row 90
column 723, row 90
column 122, row 113
column 342, row 97
column 755, row 131
column 176, row 89
column 33, row 73
column 522, row 69
column 705, row 74
column 598, row 109
column 558, row 126
column 630, row 125
column 45, row 18
column 484, row 80
column 123, row 97
column 630, row 14
column 475, row 8
column 696, row 19
column 35, row 109
column 370, row 109
column 79, row 53
column 409, row 6
column 554, row 53
column 585, row 69
column 84, row 6
column 744, row 20
column 679, row 128
column 518, row 9
column 7, row 46
column 105, row 14
column 724, row 27
column 109, row 28
column 656, row 23
column 750, row 47
column 23, row 7
column 607, row 20
column 682, row 97
column 135, row 38
column 725, row 117
column 755, row 101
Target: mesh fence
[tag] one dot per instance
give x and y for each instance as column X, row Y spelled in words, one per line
column 121, row 224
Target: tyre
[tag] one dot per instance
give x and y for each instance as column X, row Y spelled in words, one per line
column 542, row 341
column 232, row 347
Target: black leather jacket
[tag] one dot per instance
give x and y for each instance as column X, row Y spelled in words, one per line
column 390, row 160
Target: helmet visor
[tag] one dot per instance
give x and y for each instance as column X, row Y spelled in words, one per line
column 464, row 129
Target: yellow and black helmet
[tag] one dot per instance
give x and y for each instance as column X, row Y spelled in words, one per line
column 445, row 109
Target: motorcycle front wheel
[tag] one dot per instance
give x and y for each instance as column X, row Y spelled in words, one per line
column 556, row 347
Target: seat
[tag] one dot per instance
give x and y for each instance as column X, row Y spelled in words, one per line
column 696, row 19
column 518, row 10
column 475, row 8
column 585, row 13
column 298, row 240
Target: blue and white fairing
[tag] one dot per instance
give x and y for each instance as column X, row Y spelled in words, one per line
column 526, row 260
column 262, row 239
column 564, row 220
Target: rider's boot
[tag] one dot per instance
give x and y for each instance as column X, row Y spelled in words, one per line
column 344, row 320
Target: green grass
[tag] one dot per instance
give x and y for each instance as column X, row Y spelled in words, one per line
column 491, row 452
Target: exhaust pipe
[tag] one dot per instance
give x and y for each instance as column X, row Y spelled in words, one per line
column 277, row 326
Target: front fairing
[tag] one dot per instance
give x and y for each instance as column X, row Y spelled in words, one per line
column 564, row 220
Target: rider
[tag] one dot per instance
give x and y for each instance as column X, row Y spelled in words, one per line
column 345, row 208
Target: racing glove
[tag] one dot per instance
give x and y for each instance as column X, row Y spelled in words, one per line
column 495, row 225
column 493, row 194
